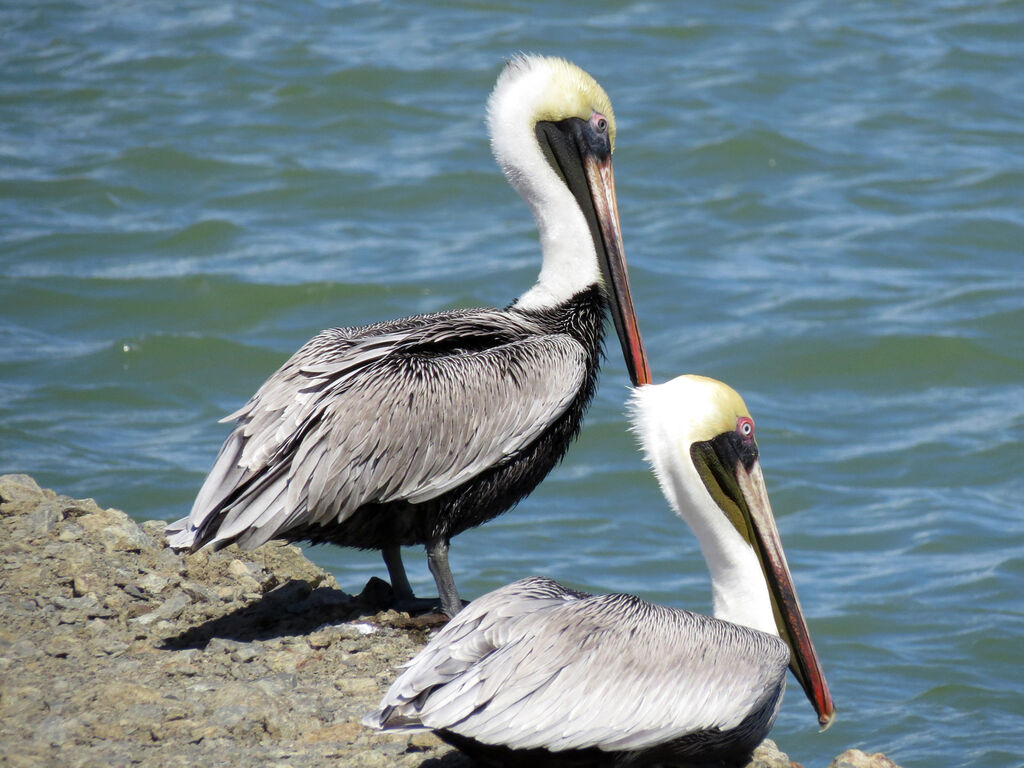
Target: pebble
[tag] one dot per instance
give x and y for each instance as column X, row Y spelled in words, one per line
column 21, row 495
column 245, row 654
column 44, row 518
column 71, row 532
column 169, row 609
column 87, row 583
column 854, row 758
column 152, row 582
column 117, row 651
column 354, row 686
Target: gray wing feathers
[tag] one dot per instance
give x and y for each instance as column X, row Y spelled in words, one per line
column 225, row 475
column 480, row 629
column 612, row 672
column 423, row 429
column 352, row 420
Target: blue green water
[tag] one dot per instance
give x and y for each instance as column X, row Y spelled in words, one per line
column 822, row 204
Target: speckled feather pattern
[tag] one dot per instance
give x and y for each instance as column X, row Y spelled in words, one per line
column 536, row 667
column 390, row 434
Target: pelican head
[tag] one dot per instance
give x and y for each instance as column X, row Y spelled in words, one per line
column 553, row 131
column 699, row 438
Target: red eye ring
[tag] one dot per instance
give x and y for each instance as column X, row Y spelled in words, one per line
column 745, row 427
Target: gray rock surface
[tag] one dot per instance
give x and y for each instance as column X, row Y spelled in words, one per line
column 115, row 651
column 854, row 758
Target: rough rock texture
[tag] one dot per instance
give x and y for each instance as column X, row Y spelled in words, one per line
column 854, row 758
column 115, row 651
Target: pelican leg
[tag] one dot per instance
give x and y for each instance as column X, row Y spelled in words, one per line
column 405, row 599
column 437, row 559
column 396, row 571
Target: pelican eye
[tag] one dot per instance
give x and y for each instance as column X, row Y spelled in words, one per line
column 600, row 123
column 745, row 427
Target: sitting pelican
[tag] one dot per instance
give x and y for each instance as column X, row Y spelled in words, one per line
column 413, row 430
column 537, row 674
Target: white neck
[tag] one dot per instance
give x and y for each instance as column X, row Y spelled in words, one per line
column 738, row 587
column 569, row 258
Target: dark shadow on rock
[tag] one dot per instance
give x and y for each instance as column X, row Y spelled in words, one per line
column 451, row 760
column 293, row 608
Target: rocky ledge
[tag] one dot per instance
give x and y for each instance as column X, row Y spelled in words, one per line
column 115, row 651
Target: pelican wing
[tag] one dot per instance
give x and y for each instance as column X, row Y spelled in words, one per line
column 526, row 668
column 398, row 411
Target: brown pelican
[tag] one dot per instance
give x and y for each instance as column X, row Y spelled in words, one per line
column 413, row 430
column 537, row 674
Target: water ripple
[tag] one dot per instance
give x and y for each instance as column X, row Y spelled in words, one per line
column 820, row 204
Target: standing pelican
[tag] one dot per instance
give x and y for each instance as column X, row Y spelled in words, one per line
column 413, row 430
column 537, row 674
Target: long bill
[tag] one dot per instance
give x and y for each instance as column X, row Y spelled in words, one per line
column 583, row 160
column 612, row 258
column 789, row 617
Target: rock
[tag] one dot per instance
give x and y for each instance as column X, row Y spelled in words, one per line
column 63, row 646
column 44, row 518
column 152, row 582
column 322, row 638
column 71, row 532
column 199, row 592
column 239, row 569
column 169, row 609
column 281, row 661
column 155, row 530
column 246, row 653
column 117, row 651
column 354, row 686
column 346, row 732
column 51, row 730
column 19, row 494
column 423, row 741
column 854, row 758
column 87, row 583
column 767, row 755
column 125, row 536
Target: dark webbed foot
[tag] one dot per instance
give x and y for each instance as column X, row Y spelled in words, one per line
column 401, row 596
column 417, row 605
